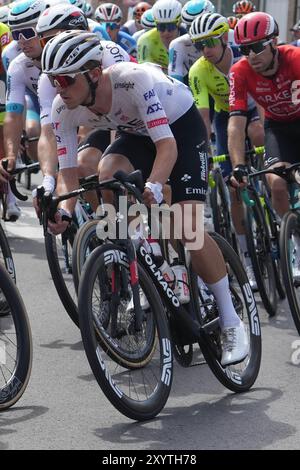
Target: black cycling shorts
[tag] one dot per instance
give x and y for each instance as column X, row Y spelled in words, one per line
column 282, row 142
column 97, row 138
column 188, row 179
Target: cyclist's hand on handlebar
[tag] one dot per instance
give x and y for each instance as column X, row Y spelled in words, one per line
column 239, row 178
column 62, row 221
column 4, row 174
column 152, row 193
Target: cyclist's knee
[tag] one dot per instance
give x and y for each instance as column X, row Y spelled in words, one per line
column 278, row 187
column 88, row 161
column 110, row 163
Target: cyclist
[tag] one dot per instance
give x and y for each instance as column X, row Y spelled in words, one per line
column 232, row 21
column 110, row 15
column 296, row 34
column 268, row 73
column 242, row 8
column 147, row 23
column 210, row 76
column 182, row 52
column 153, row 46
column 54, row 20
column 160, row 132
column 134, row 25
column 5, row 39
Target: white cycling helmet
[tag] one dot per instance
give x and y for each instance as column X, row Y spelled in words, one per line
column 26, row 13
column 147, row 19
column 4, row 10
column 166, row 11
column 208, row 25
column 194, row 8
column 108, row 12
column 71, row 52
column 64, row 17
column 88, row 10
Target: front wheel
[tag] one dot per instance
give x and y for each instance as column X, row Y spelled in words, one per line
column 15, row 343
column 134, row 368
column 239, row 377
column 289, row 257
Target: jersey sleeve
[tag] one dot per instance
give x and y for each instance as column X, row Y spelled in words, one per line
column 149, row 105
column 46, row 95
column 64, row 123
column 15, row 95
column 238, row 98
column 198, row 85
column 176, row 61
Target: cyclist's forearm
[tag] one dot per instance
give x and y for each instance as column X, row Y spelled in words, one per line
column 206, row 118
column 166, row 156
column 12, row 132
column 47, row 151
column 67, row 181
column 236, row 141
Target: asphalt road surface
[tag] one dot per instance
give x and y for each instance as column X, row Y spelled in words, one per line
column 63, row 407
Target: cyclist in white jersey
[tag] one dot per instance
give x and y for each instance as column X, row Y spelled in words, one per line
column 160, row 132
column 56, row 19
column 182, row 52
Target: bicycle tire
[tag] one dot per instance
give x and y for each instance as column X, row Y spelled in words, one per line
column 63, row 281
column 261, row 257
column 16, row 384
column 144, row 406
column 7, row 255
column 83, row 243
column 220, row 210
column 289, row 225
column 231, row 376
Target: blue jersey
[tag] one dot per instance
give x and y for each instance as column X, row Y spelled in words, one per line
column 127, row 42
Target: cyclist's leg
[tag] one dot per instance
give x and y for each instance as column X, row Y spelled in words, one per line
column 281, row 148
column 2, row 111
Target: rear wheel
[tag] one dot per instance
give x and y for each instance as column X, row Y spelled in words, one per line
column 239, row 377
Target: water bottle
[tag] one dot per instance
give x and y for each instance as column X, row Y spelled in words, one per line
column 181, row 288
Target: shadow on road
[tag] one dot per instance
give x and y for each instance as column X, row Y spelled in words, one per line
column 16, row 415
column 232, row 422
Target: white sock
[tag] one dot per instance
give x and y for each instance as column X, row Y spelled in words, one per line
column 244, row 249
column 11, row 198
column 228, row 315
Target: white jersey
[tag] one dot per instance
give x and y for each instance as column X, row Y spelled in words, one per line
column 22, row 75
column 138, row 34
column 112, row 54
column 11, row 51
column 182, row 55
column 129, row 27
column 144, row 102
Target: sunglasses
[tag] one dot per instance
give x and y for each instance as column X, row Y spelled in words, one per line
column 257, row 48
column 210, row 43
column 112, row 26
column 26, row 33
column 162, row 27
column 63, row 81
column 44, row 40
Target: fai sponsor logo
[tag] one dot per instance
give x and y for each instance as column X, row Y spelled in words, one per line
column 157, row 122
column 149, row 94
column 153, row 108
column 125, row 85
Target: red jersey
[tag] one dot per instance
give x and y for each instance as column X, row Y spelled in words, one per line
column 279, row 95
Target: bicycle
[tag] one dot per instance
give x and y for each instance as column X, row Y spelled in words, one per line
column 130, row 351
column 26, row 162
column 15, row 343
column 289, row 232
column 260, row 226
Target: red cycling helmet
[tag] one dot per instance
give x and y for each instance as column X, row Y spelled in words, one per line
column 139, row 9
column 232, row 21
column 243, row 7
column 255, row 27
